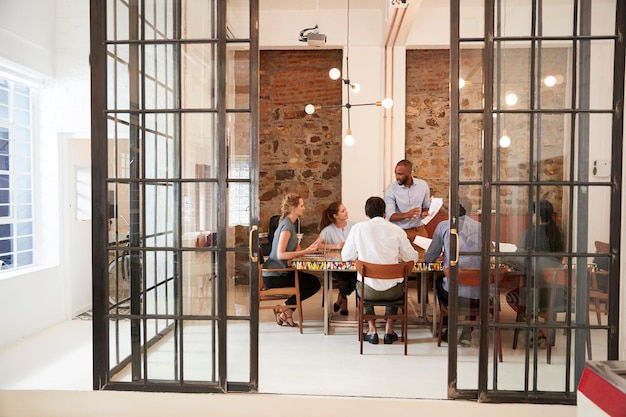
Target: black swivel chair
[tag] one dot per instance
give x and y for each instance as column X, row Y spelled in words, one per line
column 273, row 225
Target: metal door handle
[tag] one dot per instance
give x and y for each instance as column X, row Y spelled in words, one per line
column 454, row 233
column 253, row 257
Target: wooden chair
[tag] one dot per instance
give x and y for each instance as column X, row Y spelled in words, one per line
column 599, row 283
column 274, row 298
column 557, row 280
column 471, row 276
column 384, row 271
column 599, row 293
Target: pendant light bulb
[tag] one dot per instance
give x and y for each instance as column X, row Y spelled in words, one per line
column 355, row 87
column 349, row 139
column 309, row 109
column 505, row 140
column 387, row 102
column 334, row 73
column 510, row 98
column 550, row 81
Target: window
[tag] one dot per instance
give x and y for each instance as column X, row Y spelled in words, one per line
column 16, row 196
column 239, row 193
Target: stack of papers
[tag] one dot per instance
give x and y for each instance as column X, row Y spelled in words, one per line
column 422, row 242
column 506, row 247
column 435, row 206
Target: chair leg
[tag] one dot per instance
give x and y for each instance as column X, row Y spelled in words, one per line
column 299, row 308
column 500, row 344
column 550, row 338
column 360, row 317
column 440, row 327
column 598, row 312
column 518, row 318
column 405, row 329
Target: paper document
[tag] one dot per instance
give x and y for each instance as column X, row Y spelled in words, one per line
column 506, row 247
column 435, row 206
column 422, row 242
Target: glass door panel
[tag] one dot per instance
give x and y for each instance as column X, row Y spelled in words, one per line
column 546, row 196
column 180, row 192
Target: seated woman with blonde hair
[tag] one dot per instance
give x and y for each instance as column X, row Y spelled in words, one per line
column 284, row 249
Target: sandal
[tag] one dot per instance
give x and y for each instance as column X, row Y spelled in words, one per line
column 286, row 320
column 279, row 319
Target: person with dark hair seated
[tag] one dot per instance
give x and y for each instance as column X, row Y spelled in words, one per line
column 470, row 238
column 334, row 228
column 542, row 237
column 381, row 242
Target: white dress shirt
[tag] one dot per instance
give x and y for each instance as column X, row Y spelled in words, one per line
column 381, row 242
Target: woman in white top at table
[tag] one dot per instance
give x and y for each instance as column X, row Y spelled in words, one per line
column 334, row 229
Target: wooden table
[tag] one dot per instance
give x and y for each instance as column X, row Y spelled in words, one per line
column 332, row 262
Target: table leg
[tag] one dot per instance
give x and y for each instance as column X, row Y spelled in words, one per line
column 434, row 306
column 328, row 301
column 424, row 294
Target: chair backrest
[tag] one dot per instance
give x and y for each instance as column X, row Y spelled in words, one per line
column 273, row 225
column 471, row 276
column 602, row 247
column 274, row 220
column 556, row 276
column 602, row 262
column 384, row 271
column 261, row 259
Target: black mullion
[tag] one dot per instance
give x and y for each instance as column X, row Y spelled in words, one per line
column 581, row 172
column 254, row 191
column 222, row 194
column 617, row 146
column 454, row 179
column 488, row 83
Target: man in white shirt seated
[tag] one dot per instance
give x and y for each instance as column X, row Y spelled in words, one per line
column 381, row 242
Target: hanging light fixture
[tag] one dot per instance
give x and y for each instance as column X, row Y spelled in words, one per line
column 351, row 87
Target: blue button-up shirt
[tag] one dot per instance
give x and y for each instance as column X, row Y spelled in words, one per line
column 401, row 199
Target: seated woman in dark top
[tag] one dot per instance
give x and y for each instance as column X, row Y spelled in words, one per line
column 542, row 237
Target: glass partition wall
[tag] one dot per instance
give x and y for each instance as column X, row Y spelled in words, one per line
column 174, row 173
column 537, row 133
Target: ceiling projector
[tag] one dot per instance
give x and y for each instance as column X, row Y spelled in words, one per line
column 312, row 37
column 316, row 39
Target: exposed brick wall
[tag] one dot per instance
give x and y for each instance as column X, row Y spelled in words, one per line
column 428, row 124
column 302, row 153
column 428, row 117
column 299, row 152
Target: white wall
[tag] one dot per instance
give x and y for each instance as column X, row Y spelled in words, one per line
column 28, row 42
column 54, row 44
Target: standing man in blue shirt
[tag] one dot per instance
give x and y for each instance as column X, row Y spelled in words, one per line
column 407, row 201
